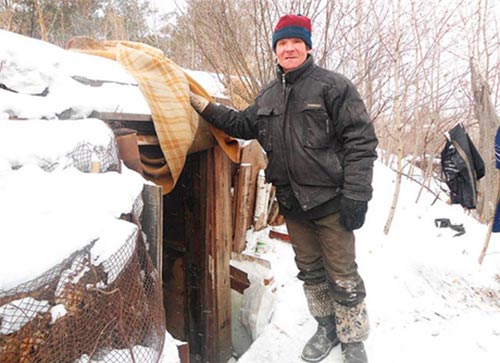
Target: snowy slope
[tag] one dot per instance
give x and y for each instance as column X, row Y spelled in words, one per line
column 429, row 300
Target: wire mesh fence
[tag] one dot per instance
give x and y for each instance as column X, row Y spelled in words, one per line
column 85, row 309
column 82, row 313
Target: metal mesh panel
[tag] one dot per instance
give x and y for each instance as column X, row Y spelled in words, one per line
column 82, row 155
column 78, row 312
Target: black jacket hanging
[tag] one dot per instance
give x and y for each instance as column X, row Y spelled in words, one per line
column 462, row 167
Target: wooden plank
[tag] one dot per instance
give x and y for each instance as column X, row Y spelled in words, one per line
column 146, row 127
column 219, row 242
column 209, row 353
column 239, row 279
column 184, row 223
column 253, row 154
column 222, row 254
column 242, row 207
column 120, row 116
column 261, row 202
column 152, row 218
column 274, row 212
column 174, row 294
column 183, row 350
column 143, row 140
column 282, row 236
column 196, row 238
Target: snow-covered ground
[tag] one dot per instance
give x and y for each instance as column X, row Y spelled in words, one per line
column 429, row 300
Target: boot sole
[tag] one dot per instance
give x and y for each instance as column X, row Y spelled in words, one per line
column 313, row 360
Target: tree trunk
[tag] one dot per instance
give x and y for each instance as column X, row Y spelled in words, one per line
column 397, row 118
column 41, row 21
column 488, row 124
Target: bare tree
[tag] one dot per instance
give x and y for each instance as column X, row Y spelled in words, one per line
column 482, row 53
column 397, row 110
column 421, row 68
column 6, row 14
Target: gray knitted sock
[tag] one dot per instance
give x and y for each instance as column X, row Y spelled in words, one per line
column 318, row 299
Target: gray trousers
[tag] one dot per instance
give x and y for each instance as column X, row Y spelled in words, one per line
column 325, row 251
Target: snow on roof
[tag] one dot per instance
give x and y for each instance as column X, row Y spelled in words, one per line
column 46, row 216
column 51, row 80
column 209, row 81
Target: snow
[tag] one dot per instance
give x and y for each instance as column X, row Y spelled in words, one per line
column 18, row 313
column 428, row 298
column 54, row 214
column 209, row 81
column 30, row 67
column 57, row 311
column 39, row 141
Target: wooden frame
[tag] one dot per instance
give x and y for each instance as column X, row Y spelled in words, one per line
column 152, row 225
column 198, row 238
column 193, row 229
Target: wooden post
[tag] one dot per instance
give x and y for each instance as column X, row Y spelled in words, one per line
column 219, row 242
column 242, row 207
column 261, row 202
column 253, row 154
column 183, row 350
column 490, row 228
column 152, row 222
column 239, row 279
column 486, row 242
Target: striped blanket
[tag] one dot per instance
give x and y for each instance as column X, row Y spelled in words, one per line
column 166, row 89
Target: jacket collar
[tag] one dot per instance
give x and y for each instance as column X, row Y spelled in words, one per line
column 298, row 73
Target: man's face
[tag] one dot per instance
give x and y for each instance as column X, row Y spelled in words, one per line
column 291, row 53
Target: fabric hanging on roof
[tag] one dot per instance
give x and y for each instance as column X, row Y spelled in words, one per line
column 165, row 87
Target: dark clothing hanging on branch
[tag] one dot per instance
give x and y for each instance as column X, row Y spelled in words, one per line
column 462, row 166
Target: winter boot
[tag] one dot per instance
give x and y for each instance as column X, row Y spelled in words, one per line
column 321, row 307
column 354, row 353
column 352, row 322
column 321, row 343
column 352, row 328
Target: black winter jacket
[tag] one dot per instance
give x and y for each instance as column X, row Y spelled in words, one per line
column 316, row 132
column 462, row 166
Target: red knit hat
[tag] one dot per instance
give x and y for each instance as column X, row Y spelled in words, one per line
column 293, row 26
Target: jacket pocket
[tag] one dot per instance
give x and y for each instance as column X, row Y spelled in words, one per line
column 317, row 127
column 267, row 117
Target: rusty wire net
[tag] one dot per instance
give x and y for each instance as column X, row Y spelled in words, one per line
column 82, row 155
column 78, row 312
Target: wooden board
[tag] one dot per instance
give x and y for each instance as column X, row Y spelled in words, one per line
column 152, row 218
column 241, row 207
column 219, row 244
column 239, row 279
column 253, row 154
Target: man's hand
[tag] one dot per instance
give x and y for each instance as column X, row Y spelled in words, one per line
column 352, row 213
column 199, row 103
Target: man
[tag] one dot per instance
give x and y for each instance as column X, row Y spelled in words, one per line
column 320, row 145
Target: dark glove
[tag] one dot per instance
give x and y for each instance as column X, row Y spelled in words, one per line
column 352, row 213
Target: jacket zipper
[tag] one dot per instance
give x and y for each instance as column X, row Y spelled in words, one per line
column 286, row 93
column 283, row 84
